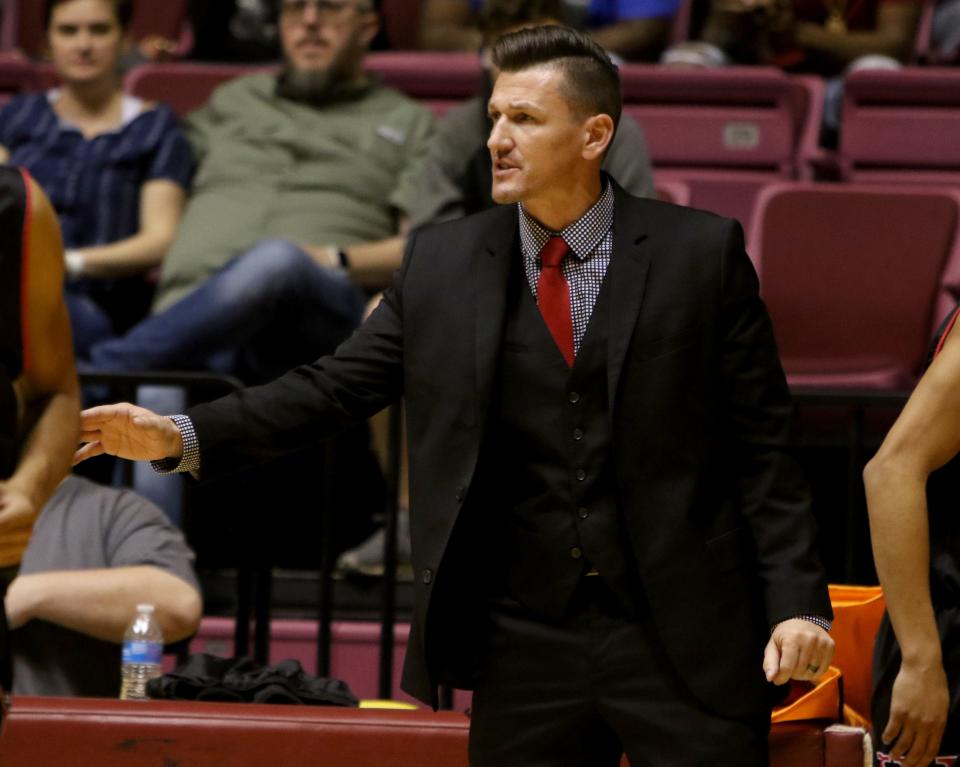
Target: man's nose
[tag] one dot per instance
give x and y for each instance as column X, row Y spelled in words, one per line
column 499, row 138
column 311, row 15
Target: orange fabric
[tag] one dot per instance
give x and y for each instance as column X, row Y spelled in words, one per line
column 809, row 701
column 857, row 611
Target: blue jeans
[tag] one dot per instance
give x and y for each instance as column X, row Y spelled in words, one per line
column 269, row 309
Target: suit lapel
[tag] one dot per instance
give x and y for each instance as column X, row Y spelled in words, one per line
column 491, row 272
column 627, row 274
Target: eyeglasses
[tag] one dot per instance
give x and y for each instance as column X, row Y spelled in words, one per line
column 325, row 9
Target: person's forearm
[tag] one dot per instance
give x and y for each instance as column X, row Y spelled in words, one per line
column 101, row 603
column 635, row 39
column 844, row 48
column 133, row 255
column 896, row 500
column 372, row 264
column 48, row 452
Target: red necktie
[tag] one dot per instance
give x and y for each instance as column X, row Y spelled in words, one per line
column 553, row 296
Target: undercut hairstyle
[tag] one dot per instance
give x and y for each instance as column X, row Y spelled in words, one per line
column 122, row 9
column 591, row 80
column 499, row 16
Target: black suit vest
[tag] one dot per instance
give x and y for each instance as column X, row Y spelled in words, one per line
column 549, row 497
column 13, row 210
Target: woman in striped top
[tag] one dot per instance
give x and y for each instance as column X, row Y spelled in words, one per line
column 115, row 168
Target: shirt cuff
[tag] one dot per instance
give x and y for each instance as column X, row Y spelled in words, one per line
column 823, row 623
column 190, row 460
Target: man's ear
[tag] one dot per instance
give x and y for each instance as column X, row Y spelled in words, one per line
column 598, row 133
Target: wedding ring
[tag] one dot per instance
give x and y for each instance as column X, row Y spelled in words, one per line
column 812, row 669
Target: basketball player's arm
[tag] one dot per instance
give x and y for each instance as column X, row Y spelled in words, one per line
column 924, row 437
column 47, row 391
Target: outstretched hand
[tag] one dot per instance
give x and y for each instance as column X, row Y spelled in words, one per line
column 127, row 431
column 798, row 649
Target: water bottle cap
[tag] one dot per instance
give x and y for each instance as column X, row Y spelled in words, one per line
column 145, row 609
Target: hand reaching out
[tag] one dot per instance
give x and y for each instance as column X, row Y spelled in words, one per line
column 127, row 431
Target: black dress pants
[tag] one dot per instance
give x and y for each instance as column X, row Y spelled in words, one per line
column 582, row 691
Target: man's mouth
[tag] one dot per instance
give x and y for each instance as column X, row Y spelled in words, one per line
column 501, row 165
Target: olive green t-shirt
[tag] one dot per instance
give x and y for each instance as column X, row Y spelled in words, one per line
column 269, row 167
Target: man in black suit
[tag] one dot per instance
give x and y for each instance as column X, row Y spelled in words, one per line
column 611, row 546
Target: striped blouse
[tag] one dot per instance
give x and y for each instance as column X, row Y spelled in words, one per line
column 95, row 184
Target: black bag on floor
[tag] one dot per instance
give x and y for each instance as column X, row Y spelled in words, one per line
column 208, row 677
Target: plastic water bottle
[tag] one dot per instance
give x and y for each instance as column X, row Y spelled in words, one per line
column 141, row 656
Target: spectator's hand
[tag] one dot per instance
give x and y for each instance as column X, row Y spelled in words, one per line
column 17, row 515
column 157, row 48
column 798, row 649
column 127, row 431
column 18, row 602
column 918, row 713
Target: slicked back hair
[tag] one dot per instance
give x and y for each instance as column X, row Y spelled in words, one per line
column 122, row 9
column 591, row 80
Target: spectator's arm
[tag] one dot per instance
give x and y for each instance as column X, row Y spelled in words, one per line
column 47, row 391
column 447, row 25
column 371, row 264
column 161, row 204
column 893, row 36
column 4, row 155
column 635, row 39
column 101, row 603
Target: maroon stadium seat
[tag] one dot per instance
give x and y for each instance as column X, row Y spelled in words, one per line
column 673, row 191
column 725, row 132
column 852, row 275
column 438, row 80
column 902, row 126
column 16, row 75
column 182, row 85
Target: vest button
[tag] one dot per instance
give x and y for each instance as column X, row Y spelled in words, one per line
column 427, row 576
column 583, row 513
column 576, row 553
column 580, row 475
column 578, row 434
column 574, row 397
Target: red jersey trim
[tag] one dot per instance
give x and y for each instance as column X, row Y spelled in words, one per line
column 946, row 332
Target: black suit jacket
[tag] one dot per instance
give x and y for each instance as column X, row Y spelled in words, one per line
column 718, row 515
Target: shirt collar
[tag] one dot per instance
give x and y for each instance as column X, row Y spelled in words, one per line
column 583, row 235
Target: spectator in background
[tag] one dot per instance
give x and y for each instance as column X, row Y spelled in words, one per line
column 823, row 38
column 96, row 553
column 39, row 399
column 829, row 38
column 115, row 168
column 635, row 30
column 305, row 179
